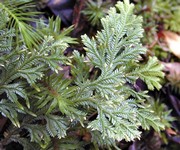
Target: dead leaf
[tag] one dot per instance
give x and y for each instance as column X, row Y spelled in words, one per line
column 170, row 131
column 173, row 70
column 173, row 41
column 87, row 137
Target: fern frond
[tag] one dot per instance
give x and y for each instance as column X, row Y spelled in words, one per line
column 38, row 134
column 18, row 16
column 162, row 111
column 4, row 17
column 53, row 29
column 116, row 50
column 56, row 126
column 6, row 42
column 60, row 96
column 79, row 69
column 10, row 110
column 102, row 142
column 116, row 121
column 150, row 74
column 13, row 91
column 95, row 11
column 117, row 44
column 31, row 74
column 107, row 82
column 147, row 119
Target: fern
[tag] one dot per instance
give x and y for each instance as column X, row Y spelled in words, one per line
column 21, row 67
column 38, row 134
column 168, row 12
column 162, row 111
column 109, row 52
column 51, row 109
column 10, row 110
column 56, row 126
column 149, row 73
column 173, row 22
column 18, row 17
column 95, row 10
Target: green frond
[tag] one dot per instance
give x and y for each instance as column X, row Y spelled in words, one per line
column 131, row 53
column 117, row 44
column 49, row 51
column 19, row 14
column 3, row 16
column 38, row 134
column 10, row 110
column 127, row 91
column 53, row 29
column 95, row 10
column 31, row 74
column 6, row 43
column 102, row 142
column 107, row 82
column 117, row 39
column 116, row 121
column 56, row 126
column 13, row 91
column 115, row 51
column 6, row 35
column 150, row 73
column 161, row 110
column 148, row 119
column 80, row 69
column 60, row 96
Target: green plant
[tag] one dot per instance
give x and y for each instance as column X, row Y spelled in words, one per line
column 51, row 110
column 162, row 111
column 173, row 22
column 95, row 10
column 163, row 12
column 169, row 12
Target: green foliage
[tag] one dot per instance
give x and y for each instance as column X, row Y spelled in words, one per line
column 149, row 73
column 68, row 144
column 115, row 51
column 10, row 110
column 169, row 11
column 22, row 67
column 173, row 23
column 56, row 126
column 49, row 107
column 18, row 13
column 162, row 111
column 95, row 10
column 38, row 134
column 161, row 11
